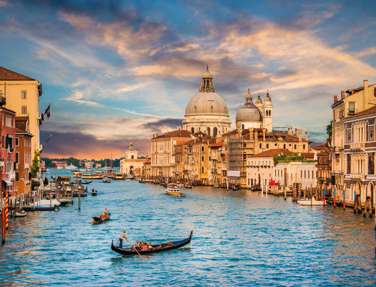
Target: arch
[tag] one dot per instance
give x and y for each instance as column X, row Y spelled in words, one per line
column 370, row 191
column 211, row 108
column 192, row 130
column 208, row 130
column 215, row 131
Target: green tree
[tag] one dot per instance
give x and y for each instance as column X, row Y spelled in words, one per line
column 329, row 131
column 36, row 164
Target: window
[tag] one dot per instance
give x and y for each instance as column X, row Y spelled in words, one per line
column 294, row 146
column 242, row 126
column 202, row 158
column 371, row 130
column 195, row 109
column 8, row 121
column 260, row 145
column 374, row 92
column 24, row 110
column 304, row 146
column 17, row 157
column 284, row 146
column 348, row 161
column 211, row 108
column 351, row 107
column 202, row 148
column 371, row 163
column 267, row 145
column 23, row 95
column 193, row 130
column 202, row 170
column 16, row 141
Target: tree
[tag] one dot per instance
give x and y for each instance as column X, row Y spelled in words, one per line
column 36, row 164
column 329, row 131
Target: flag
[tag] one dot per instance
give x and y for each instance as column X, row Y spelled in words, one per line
column 47, row 112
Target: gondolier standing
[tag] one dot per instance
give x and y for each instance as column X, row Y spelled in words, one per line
column 122, row 236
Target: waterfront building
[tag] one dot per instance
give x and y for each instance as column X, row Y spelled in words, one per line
column 359, row 153
column 132, row 164
column 206, row 111
column 255, row 116
column 22, row 94
column 23, row 158
column 281, row 168
column 324, row 167
column 162, row 152
column 242, row 144
column 352, row 142
column 7, row 164
column 60, row 164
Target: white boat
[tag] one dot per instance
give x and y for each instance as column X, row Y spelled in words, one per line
column 310, row 202
column 106, row 180
column 173, row 190
column 47, row 203
column 71, row 167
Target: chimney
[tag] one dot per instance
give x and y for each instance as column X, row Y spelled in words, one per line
column 365, row 84
column 335, row 99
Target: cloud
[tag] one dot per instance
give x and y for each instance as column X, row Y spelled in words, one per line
column 3, row 3
column 366, row 52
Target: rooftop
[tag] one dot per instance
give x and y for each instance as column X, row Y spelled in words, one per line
column 8, row 75
column 174, row 134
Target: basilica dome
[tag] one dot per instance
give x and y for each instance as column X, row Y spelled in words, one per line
column 248, row 112
column 207, row 111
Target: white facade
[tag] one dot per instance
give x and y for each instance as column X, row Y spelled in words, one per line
column 131, row 165
column 262, row 170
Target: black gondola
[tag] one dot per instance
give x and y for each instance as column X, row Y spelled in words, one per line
column 94, row 193
column 86, row 181
column 154, row 249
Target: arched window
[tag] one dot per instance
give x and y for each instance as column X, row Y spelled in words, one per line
column 211, row 108
column 193, row 130
column 195, row 108
column 215, row 131
column 208, row 130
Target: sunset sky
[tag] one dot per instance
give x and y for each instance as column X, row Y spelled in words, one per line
column 119, row 71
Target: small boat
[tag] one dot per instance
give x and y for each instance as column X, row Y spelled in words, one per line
column 106, row 180
column 65, row 201
column 119, row 176
column 47, row 203
column 77, row 174
column 81, row 194
column 310, row 202
column 101, row 219
column 94, row 193
column 155, row 248
column 20, row 213
column 173, row 190
column 86, row 181
column 188, row 186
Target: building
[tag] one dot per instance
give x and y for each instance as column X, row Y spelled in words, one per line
column 7, row 164
column 352, row 141
column 324, row 164
column 60, row 164
column 255, row 116
column 359, row 153
column 23, row 158
column 162, row 152
column 207, row 111
column 22, row 96
column 281, row 168
column 132, row 164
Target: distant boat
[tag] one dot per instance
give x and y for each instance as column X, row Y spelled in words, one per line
column 310, row 202
column 173, row 190
column 21, row 213
column 106, row 180
column 71, row 167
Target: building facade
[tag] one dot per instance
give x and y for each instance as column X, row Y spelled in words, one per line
column 22, row 96
column 132, row 164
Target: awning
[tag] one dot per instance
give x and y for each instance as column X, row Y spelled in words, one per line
column 7, row 182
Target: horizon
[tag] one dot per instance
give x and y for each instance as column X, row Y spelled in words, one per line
column 106, row 91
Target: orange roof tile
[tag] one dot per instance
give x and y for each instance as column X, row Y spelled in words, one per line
column 8, row 75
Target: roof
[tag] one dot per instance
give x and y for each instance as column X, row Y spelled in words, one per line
column 8, row 75
column 175, row 134
column 273, row 152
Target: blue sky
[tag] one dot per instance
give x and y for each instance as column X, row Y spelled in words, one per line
column 119, row 71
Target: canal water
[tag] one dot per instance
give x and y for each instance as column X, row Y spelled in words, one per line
column 240, row 239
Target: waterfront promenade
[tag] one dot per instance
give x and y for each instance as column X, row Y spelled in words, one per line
column 240, row 239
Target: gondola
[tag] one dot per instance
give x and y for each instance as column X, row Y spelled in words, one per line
column 94, row 193
column 154, row 249
column 100, row 219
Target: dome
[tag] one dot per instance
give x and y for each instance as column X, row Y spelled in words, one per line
column 248, row 112
column 206, row 103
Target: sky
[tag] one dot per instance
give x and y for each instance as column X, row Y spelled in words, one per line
column 117, row 72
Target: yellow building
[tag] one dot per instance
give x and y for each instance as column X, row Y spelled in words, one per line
column 162, row 152
column 350, row 103
column 22, row 94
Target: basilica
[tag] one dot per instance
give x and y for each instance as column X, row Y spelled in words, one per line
column 207, row 111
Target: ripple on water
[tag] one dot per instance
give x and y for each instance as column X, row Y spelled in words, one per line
column 240, row 239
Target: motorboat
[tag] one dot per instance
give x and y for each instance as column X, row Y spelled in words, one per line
column 20, row 213
column 173, row 190
column 47, row 203
column 311, row 202
column 106, row 180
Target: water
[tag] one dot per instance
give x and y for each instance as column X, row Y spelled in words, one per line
column 240, row 239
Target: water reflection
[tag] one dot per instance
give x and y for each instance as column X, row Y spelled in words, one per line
column 239, row 239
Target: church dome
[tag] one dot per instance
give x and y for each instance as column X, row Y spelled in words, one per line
column 207, row 101
column 248, row 112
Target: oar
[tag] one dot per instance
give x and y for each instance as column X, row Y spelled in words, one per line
column 135, row 248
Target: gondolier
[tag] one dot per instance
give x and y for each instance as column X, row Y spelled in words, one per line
column 122, row 237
